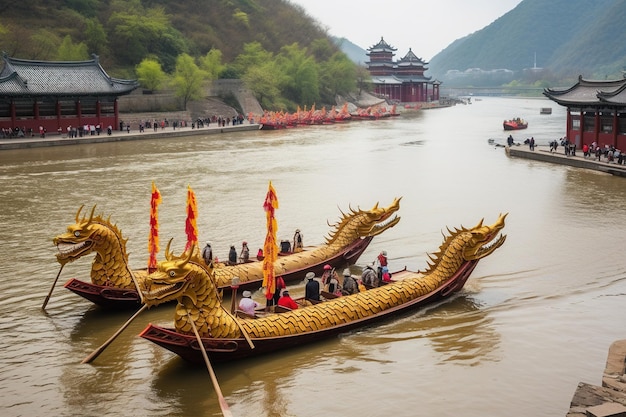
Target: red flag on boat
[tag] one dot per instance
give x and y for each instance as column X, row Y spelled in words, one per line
column 191, row 227
column 269, row 247
column 153, row 237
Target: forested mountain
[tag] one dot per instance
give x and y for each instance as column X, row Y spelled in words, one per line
column 123, row 32
column 567, row 37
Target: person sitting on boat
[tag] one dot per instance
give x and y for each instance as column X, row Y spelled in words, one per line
column 259, row 255
column 247, row 304
column 245, row 252
column 207, row 253
column 232, row 255
column 312, row 288
column 297, row 241
column 287, row 301
column 386, row 274
column 381, row 261
column 350, row 285
column 369, row 277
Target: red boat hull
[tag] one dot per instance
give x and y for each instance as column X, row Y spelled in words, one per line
column 119, row 299
column 225, row 350
column 514, row 126
column 107, row 297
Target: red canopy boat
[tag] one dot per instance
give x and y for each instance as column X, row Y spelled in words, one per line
column 515, row 124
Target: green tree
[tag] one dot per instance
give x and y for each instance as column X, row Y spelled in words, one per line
column 136, row 32
column 150, row 74
column 300, row 82
column 211, row 63
column 188, row 79
column 338, row 75
column 253, row 55
column 263, row 82
column 96, row 37
column 44, row 42
column 70, row 51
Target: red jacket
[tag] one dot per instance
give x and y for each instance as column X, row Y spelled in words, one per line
column 287, row 301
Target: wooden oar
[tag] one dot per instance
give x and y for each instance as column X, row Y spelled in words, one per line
column 45, row 302
column 98, row 351
column 223, row 405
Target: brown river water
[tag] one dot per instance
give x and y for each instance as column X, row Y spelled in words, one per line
column 535, row 318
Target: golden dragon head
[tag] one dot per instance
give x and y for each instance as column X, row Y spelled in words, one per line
column 177, row 277
column 364, row 223
column 467, row 245
column 87, row 235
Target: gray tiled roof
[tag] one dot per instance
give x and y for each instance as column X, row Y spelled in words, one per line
column 21, row 77
column 590, row 92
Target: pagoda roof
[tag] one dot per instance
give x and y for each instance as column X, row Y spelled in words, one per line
column 21, row 77
column 410, row 59
column 590, row 93
column 399, row 79
column 382, row 46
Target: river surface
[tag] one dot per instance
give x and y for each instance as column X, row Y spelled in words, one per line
column 535, row 318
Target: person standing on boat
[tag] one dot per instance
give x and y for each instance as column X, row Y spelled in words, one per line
column 247, row 304
column 287, row 301
column 245, row 252
column 350, row 285
column 280, row 285
column 328, row 273
column 381, row 261
column 297, row 241
column 369, row 277
column 207, row 253
column 232, row 255
column 312, row 288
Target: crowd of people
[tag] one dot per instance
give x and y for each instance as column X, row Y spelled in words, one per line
column 328, row 285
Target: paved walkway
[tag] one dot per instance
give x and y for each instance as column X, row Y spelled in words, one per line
column 542, row 153
column 118, row 136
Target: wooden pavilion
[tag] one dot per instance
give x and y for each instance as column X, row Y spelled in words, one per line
column 596, row 111
column 403, row 80
column 53, row 95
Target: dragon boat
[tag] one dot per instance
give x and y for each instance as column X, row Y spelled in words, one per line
column 114, row 284
column 226, row 337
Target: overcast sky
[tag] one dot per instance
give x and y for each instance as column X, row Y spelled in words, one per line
column 426, row 26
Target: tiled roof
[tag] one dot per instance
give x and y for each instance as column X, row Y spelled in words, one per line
column 399, row 79
column 21, row 77
column 382, row 46
column 410, row 59
column 590, row 92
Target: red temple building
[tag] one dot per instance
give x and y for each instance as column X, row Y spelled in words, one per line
column 54, row 95
column 400, row 81
column 596, row 111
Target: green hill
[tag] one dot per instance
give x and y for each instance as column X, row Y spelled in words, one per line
column 124, row 32
column 566, row 37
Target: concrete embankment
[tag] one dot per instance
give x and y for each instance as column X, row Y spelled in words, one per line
column 118, row 136
column 578, row 161
column 609, row 399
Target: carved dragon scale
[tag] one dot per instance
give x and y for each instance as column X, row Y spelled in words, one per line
column 189, row 281
column 110, row 266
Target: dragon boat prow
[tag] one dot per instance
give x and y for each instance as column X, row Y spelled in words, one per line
column 114, row 284
column 223, row 335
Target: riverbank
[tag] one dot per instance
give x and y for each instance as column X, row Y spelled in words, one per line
column 55, row 139
column 542, row 153
column 609, row 399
